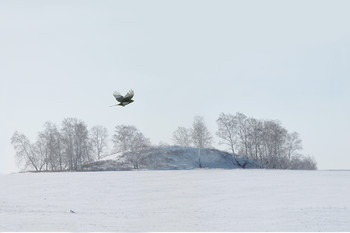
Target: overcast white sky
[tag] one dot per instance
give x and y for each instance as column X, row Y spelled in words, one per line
column 283, row 60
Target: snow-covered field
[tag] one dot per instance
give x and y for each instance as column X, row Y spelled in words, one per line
column 180, row 200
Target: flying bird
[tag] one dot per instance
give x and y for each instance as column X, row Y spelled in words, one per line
column 123, row 100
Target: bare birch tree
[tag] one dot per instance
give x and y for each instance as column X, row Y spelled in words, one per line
column 293, row 144
column 99, row 135
column 274, row 139
column 233, row 131
column 129, row 138
column 182, row 137
column 255, row 138
column 227, row 131
column 26, row 154
column 49, row 144
column 77, row 147
column 201, row 136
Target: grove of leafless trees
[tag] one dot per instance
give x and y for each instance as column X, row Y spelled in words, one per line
column 265, row 141
column 128, row 138
column 67, row 148
column 70, row 146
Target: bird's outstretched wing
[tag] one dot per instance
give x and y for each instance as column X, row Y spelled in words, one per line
column 129, row 96
column 118, row 96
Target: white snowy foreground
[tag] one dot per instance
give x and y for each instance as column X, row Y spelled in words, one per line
column 183, row 200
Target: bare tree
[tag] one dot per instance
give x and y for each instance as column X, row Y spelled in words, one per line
column 234, row 132
column 49, row 145
column 227, row 131
column 99, row 135
column 77, row 147
column 129, row 138
column 42, row 151
column 293, row 144
column 255, row 137
column 243, row 133
column 56, row 147
column 274, row 139
column 182, row 137
column 26, row 153
column 200, row 135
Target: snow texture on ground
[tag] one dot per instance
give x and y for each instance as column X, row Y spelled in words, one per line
column 176, row 200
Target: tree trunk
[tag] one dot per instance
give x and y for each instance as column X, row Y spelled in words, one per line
column 199, row 158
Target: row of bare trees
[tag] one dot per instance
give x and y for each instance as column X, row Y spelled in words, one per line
column 57, row 149
column 263, row 141
column 73, row 144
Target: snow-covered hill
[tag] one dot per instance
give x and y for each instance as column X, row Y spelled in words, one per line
column 170, row 158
